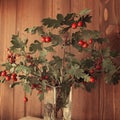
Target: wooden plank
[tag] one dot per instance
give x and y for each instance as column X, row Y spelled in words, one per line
column 8, row 16
column 63, row 7
column 1, row 50
column 109, row 26
column 40, row 10
column 116, row 89
column 86, row 105
column 28, row 15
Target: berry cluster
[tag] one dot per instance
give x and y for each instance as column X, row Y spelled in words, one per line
column 11, row 57
column 8, row 77
column 46, row 39
column 77, row 24
column 85, row 44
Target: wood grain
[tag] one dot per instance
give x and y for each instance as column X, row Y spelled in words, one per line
column 8, row 16
column 103, row 103
column 83, row 102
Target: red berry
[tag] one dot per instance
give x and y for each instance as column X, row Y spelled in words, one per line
column 9, row 56
column 43, row 39
column 81, row 42
column 92, row 79
column 48, row 88
column 3, row 73
column 98, row 67
column 39, row 91
column 33, row 86
column 90, row 41
column 92, row 71
column 25, row 99
column 8, row 78
column 74, row 25
column 12, row 60
column 8, row 49
column 15, row 79
column 47, row 39
column 46, row 77
column 80, row 23
column 28, row 56
column 85, row 45
column 14, row 75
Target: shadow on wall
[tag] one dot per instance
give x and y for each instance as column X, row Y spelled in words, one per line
column 113, row 33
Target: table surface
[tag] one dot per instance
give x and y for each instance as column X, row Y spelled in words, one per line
column 30, row 118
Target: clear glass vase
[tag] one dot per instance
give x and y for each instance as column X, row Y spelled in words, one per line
column 58, row 104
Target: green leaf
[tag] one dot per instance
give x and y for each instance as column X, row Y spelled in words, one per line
column 49, row 49
column 87, row 63
column 106, row 52
column 73, row 69
column 79, row 73
column 85, row 12
column 56, row 39
column 35, row 29
column 41, row 96
column 68, row 16
column 7, row 65
column 43, row 53
column 65, row 29
column 108, row 66
column 114, row 53
column 14, row 84
column 27, row 88
column 51, row 22
column 16, row 42
column 35, row 46
column 60, row 17
column 22, row 68
column 2, row 80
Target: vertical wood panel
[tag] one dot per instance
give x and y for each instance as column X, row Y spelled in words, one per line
column 63, row 7
column 103, row 103
column 109, row 26
column 8, row 16
column 39, row 10
column 86, row 105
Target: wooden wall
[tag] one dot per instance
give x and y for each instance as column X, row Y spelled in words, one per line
column 103, row 103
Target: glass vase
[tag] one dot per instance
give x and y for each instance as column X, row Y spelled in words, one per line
column 58, row 104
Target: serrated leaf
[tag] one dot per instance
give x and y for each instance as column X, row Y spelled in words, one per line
column 14, row 84
column 49, row 49
column 43, row 53
column 100, row 40
column 27, row 88
column 60, row 17
column 8, row 66
column 65, row 29
column 12, row 69
column 51, row 22
column 87, row 63
column 73, row 69
column 68, row 16
column 56, row 39
column 106, row 52
column 35, row 46
column 79, row 73
column 41, row 96
column 108, row 66
column 35, row 29
column 85, row 12
column 22, row 68
column 2, row 80
column 114, row 53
